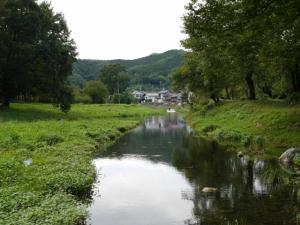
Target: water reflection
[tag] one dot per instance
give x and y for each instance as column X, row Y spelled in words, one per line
column 155, row 175
column 252, row 191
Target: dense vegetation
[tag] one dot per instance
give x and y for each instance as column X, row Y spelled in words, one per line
column 46, row 173
column 241, row 49
column 259, row 127
column 36, row 53
column 148, row 73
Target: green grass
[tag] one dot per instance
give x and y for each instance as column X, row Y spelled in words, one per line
column 55, row 187
column 257, row 126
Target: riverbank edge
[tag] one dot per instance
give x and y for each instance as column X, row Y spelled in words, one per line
column 256, row 128
column 57, row 197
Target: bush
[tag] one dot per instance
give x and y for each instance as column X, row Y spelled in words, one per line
column 85, row 99
column 259, row 141
column 293, row 98
column 124, row 98
column 97, row 91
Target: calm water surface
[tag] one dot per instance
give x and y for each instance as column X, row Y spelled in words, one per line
column 155, row 174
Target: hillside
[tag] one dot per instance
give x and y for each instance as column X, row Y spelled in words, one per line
column 150, row 72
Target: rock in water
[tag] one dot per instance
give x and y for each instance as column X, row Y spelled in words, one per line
column 288, row 156
column 209, row 190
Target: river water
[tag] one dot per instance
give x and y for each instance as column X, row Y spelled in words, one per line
column 156, row 173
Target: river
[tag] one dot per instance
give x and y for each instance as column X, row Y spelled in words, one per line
column 155, row 175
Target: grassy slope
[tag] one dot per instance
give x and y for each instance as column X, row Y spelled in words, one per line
column 52, row 189
column 271, row 126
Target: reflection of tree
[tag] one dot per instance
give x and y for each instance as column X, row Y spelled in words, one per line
column 156, row 136
column 247, row 189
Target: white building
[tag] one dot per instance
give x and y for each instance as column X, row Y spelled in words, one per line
column 152, row 97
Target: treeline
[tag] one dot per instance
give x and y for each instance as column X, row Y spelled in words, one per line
column 36, row 54
column 241, row 49
column 110, row 86
column 147, row 73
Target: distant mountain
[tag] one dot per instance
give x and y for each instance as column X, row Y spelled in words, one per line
column 148, row 73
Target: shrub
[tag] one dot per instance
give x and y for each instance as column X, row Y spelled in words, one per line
column 85, row 99
column 293, row 98
column 122, row 129
column 259, row 141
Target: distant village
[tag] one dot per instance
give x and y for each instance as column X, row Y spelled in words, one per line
column 164, row 97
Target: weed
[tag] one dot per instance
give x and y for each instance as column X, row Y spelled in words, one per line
column 52, row 189
column 50, row 139
column 253, row 124
column 210, row 128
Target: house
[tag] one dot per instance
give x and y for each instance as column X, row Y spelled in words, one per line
column 164, row 94
column 173, row 98
column 138, row 94
column 152, row 97
column 161, row 97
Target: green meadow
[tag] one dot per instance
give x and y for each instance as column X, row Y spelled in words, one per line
column 257, row 127
column 46, row 170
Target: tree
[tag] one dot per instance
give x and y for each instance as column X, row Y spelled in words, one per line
column 115, row 77
column 37, row 53
column 97, row 91
column 247, row 43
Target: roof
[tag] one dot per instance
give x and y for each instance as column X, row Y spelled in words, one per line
column 153, row 94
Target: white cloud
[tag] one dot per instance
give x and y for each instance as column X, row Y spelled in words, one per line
column 127, row 29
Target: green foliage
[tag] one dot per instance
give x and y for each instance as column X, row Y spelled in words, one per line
column 97, row 91
column 53, row 188
column 36, row 53
column 50, row 139
column 80, row 96
column 271, row 126
column 145, row 73
column 210, row 128
column 124, row 98
column 241, row 48
column 114, row 77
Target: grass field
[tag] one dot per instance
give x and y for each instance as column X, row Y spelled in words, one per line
column 258, row 126
column 46, row 171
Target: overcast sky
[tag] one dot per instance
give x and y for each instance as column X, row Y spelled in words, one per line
column 123, row 29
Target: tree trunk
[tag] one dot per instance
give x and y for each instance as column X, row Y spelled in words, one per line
column 250, row 86
column 295, row 75
column 227, row 93
column 267, row 90
column 214, row 97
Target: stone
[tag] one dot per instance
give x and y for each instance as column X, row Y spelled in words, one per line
column 288, row 156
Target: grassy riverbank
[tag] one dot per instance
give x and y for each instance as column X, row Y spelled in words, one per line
column 46, row 173
column 258, row 126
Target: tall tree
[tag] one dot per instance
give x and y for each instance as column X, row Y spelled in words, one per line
column 251, row 42
column 115, row 77
column 37, row 55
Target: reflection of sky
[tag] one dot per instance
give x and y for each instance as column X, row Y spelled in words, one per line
column 138, row 184
column 135, row 189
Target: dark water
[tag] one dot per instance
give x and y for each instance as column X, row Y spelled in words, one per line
column 155, row 176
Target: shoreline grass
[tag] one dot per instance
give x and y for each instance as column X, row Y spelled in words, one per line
column 257, row 127
column 46, row 171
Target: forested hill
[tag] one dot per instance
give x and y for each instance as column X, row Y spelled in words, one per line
column 149, row 72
